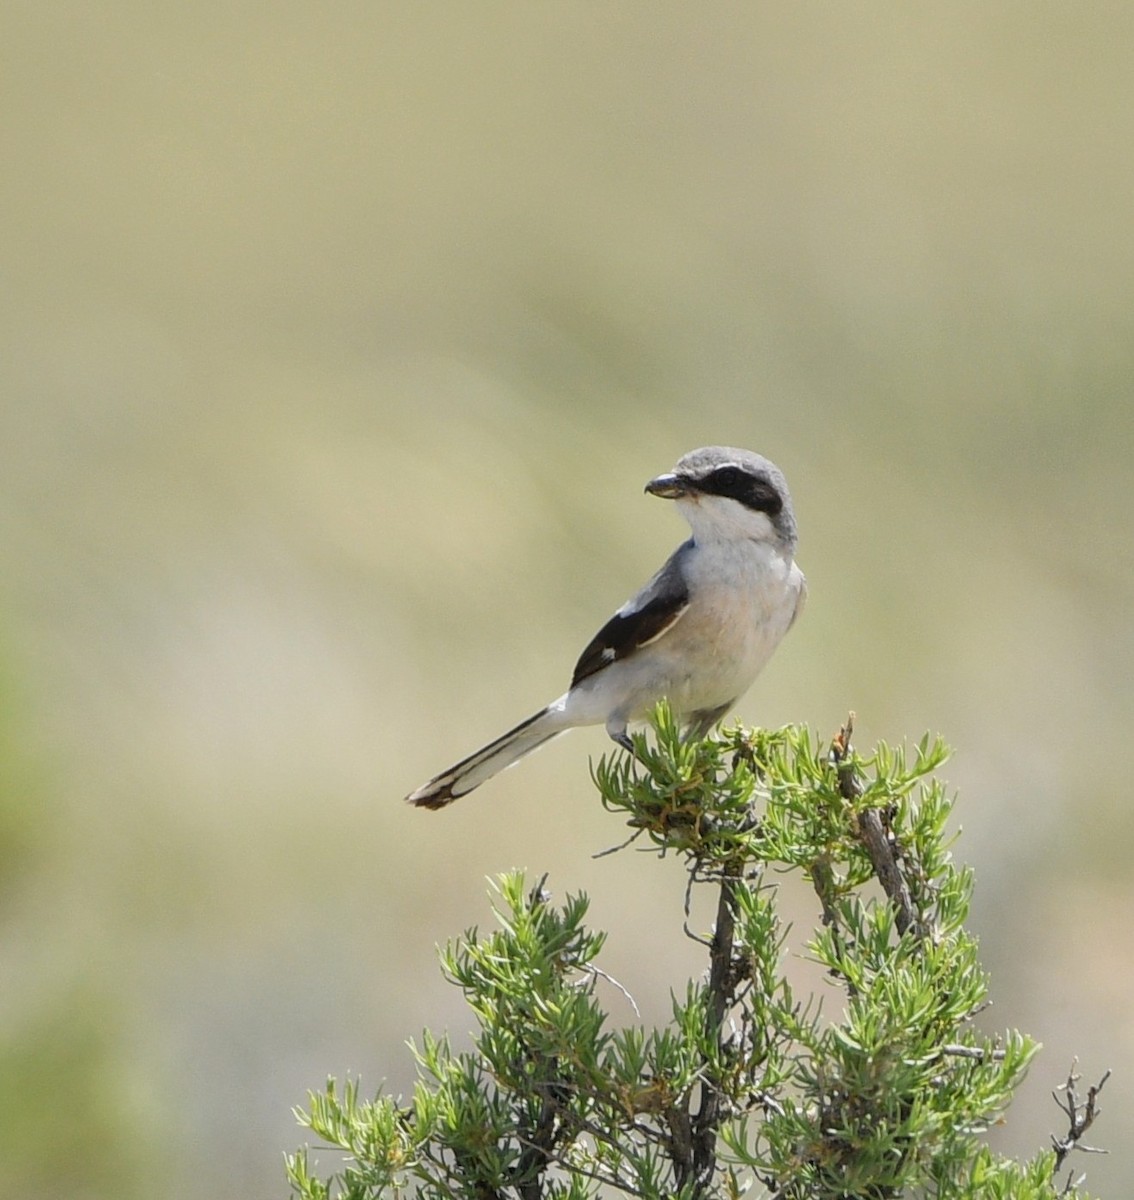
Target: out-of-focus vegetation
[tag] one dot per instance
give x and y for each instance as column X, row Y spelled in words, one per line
column 337, row 345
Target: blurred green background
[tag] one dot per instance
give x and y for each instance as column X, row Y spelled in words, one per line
column 338, row 342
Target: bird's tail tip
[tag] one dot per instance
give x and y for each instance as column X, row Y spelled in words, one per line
column 431, row 798
column 488, row 761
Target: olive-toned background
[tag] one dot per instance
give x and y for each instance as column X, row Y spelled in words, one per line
column 338, row 342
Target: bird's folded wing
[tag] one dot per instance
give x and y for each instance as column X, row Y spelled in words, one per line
column 640, row 621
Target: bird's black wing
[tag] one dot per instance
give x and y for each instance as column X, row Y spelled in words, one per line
column 640, row 621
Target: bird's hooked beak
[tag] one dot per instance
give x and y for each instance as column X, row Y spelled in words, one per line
column 669, row 486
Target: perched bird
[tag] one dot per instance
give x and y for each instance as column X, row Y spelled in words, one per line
column 698, row 633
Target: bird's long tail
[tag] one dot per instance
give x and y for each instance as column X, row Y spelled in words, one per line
column 509, row 748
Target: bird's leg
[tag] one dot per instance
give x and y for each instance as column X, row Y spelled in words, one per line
column 700, row 724
column 616, row 731
column 624, row 740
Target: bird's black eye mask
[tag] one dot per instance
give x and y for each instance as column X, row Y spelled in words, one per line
column 753, row 491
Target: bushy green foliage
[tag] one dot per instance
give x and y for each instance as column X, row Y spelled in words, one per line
column 749, row 1087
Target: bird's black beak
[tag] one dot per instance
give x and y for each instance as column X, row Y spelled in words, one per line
column 669, row 487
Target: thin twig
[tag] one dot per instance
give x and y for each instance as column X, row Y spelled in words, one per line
column 722, row 988
column 977, row 1052
column 874, row 834
column 621, row 845
column 694, row 937
column 610, row 1179
column 823, row 881
column 610, row 979
column 1080, row 1117
column 539, row 895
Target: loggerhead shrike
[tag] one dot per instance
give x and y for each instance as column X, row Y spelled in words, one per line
column 698, row 633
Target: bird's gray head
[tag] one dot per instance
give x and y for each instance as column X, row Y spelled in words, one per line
column 723, row 487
